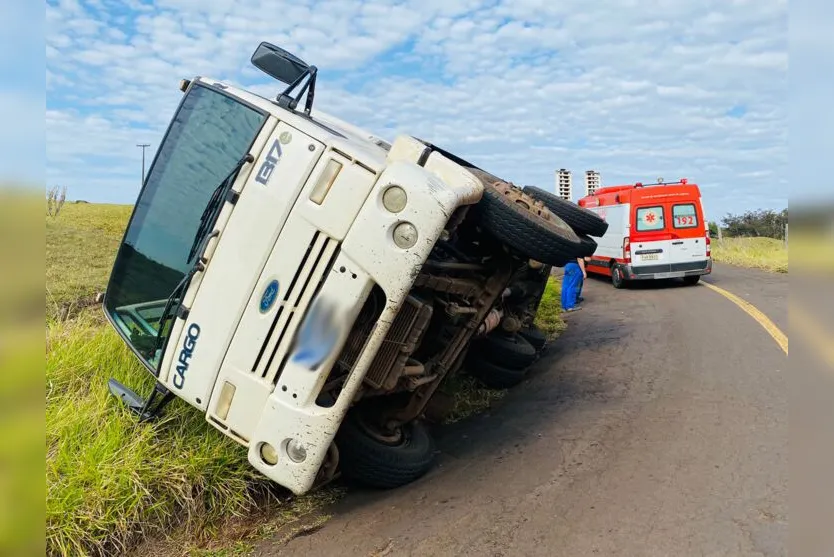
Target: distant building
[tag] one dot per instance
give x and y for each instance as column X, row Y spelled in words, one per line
column 564, row 184
column 593, row 181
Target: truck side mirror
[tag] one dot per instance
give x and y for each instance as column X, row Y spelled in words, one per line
column 278, row 63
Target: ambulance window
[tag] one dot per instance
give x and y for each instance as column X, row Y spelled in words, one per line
column 650, row 218
column 684, row 216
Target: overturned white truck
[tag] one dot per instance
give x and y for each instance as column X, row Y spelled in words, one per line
column 309, row 286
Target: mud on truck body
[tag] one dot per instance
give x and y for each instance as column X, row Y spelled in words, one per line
column 309, row 286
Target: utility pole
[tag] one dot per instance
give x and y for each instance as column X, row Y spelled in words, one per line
column 143, row 146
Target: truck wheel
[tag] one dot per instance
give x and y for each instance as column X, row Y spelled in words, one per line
column 383, row 461
column 495, row 376
column 579, row 218
column 511, row 351
column 589, row 245
column 524, row 224
column 617, row 276
column 692, row 280
column 534, row 336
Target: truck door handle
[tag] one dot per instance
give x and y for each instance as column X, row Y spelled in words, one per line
column 204, row 248
column 677, row 243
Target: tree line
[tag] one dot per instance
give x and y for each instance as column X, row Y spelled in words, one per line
column 761, row 222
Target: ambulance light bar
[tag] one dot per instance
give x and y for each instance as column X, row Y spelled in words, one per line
column 660, row 182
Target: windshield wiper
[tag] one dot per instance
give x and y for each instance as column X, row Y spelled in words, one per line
column 150, row 408
column 173, row 302
column 215, row 202
column 207, row 220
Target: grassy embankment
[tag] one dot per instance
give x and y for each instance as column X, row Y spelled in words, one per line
column 112, row 482
column 759, row 253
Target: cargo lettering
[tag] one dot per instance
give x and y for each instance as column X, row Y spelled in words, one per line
column 188, row 345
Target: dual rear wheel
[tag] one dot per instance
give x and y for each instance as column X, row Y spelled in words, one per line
column 385, row 459
column 535, row 223
column 501, row 360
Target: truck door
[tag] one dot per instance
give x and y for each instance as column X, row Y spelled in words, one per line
column 688, row 241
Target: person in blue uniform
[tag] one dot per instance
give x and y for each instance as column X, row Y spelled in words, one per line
column 572, row 284
column 582, row 263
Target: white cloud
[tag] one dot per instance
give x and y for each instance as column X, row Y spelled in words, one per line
column 635, row 90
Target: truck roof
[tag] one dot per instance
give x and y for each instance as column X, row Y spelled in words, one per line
column 324, row 127
column 637, row 192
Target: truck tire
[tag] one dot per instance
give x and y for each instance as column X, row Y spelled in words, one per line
column 525, row 225
column 579, row 218
column 510, row 351
column 384, row 464
column 534, row 336
column 692, row 280
column 589, row 245
column 495, row 376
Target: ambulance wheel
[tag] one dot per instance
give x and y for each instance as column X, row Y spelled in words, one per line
column 691, row 281
column 534, row 336
column 617, row 276
column 383, row 460
column 579, row 218
column 507, row 350
column 493, row 375
column 524, row 224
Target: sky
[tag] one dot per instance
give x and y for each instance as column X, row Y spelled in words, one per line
column 635, row 90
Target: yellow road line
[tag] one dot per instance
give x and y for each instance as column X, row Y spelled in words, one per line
column 813, row 332
column 751, row 310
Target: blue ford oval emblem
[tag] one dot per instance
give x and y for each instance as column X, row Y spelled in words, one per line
column 269, row 296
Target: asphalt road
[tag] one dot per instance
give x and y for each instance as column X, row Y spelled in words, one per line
column 656, row 425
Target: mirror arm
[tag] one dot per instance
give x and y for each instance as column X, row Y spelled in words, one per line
column 308, row 105
column 286, row 100
column 294, row 84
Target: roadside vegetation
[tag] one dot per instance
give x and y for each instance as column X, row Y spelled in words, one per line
column 754, row 239
column 81, row 243
column 549, row 316
column 767, row 254
column 113, row 483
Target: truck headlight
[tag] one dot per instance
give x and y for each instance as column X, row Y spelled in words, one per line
column 405, row 235
column 296, row 450
column 269, row 454
column 394, row 199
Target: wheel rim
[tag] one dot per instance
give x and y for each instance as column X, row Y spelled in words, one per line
column 530, row 204
column 393, row 438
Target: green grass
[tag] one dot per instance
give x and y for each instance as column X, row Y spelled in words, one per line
column 112, row 482
column 759, row 253
column 549, row 316
column 81, row 244
column 469, row 397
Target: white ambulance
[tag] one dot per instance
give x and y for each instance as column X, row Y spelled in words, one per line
column 655, row 231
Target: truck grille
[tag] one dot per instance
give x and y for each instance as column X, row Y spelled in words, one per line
column 399, row 343
column 316, row 263
column 362, row 328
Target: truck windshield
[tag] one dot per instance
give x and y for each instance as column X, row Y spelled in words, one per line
column 209, row 134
